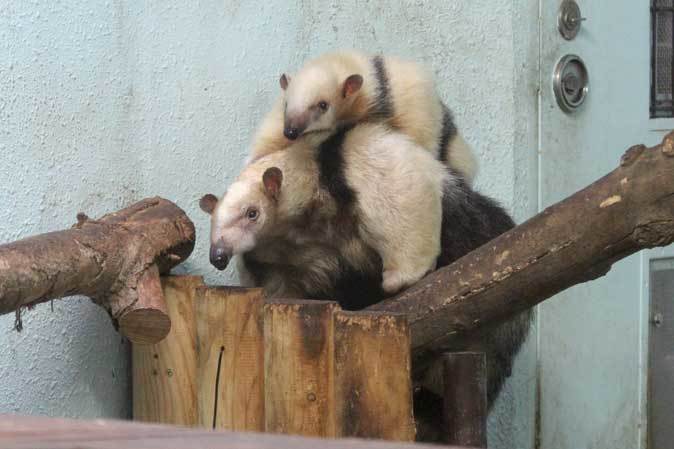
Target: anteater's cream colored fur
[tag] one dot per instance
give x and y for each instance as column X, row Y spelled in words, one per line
column 396, row 212
column 417, row 108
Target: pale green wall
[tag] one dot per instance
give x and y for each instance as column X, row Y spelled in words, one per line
column 103, row 103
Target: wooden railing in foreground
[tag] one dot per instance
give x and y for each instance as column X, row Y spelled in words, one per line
column 24, row 432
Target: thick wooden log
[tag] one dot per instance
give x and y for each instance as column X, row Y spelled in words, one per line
column 373, row 387
column 230, row 349
column 165, row 374
column 298, row 362
column 114, row 260
column 18, row 432
column 465, row 399
column 573, row 241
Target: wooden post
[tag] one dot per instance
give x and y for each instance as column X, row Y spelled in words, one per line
column 164, row 374
column 230, row 358
column 465, row 399
column 373, row 388
column 298, row 360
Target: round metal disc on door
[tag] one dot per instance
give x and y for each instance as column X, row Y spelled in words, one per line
column 569, row 19
column 570, row 82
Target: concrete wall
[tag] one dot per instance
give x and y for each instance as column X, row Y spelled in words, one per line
column 63, row 117
column 103, row 103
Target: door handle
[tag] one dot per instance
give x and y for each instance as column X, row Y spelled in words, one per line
column 570, row 82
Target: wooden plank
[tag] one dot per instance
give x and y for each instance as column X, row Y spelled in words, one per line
column 373, row 388
column 299, row 394
column 164, row 374
column 465, row 399
column 230, row 358
column 19, row 432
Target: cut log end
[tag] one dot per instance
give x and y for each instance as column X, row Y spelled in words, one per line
column 145, row 326
column 147, row 321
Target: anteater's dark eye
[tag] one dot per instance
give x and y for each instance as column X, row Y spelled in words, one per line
column 323, row 105
column 252, row 214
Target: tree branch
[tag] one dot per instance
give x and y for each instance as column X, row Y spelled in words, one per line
column 573, row 241
column 115, row 260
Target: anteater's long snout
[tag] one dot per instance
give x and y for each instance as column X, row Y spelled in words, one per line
column 291, row 132
column 220, row 255
column 294, row 126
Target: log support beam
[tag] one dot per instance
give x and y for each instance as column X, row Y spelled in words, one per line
column 573, row 241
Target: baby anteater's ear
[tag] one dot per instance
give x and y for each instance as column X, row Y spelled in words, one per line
column 272, row 180
column 352, row 85
column 284, row 81
column 207, row 203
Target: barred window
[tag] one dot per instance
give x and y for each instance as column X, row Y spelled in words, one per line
column 662, row 60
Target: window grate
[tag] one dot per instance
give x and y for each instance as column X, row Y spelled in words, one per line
column 662, row 58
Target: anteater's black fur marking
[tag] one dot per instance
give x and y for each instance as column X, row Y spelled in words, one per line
column 448, row 133
column 331, row 169
column 469, row 220
column 383, row 102
column 357, row 289
column 259, row 271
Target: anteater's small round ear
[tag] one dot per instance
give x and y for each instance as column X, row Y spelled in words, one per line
column 272, row 180
column 207, row 203
column 352, row 85
column 284, row 81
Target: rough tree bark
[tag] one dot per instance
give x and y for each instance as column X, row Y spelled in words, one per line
column 115, row 260
column 571, row 242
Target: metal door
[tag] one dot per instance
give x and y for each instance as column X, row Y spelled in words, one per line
column 593, row 338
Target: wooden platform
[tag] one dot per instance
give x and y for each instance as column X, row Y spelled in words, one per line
column 235, row 361
column 27, row 432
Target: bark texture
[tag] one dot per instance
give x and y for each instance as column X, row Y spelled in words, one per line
column 115, row 260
